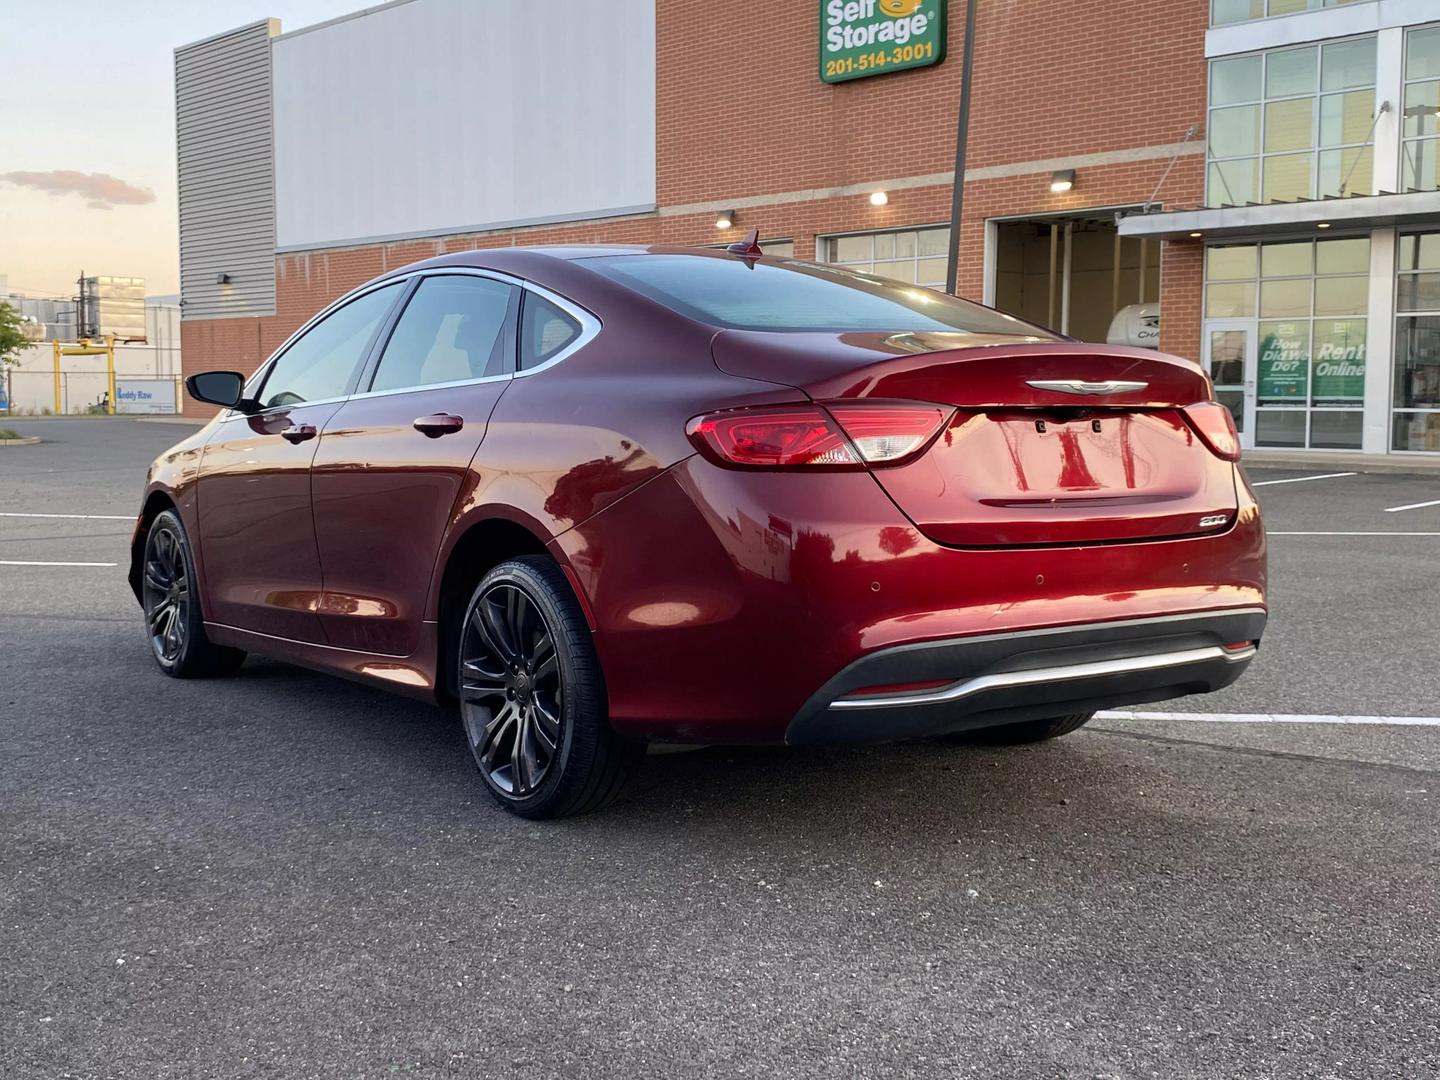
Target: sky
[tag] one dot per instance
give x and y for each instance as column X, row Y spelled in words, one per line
column 87, row 163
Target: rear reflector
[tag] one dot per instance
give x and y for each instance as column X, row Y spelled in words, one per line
column 847, row 436
column 1216, row 428
column 899, row 688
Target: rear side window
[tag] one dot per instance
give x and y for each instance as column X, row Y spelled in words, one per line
column 320, row 363
column 544, row 331
column 785, row 294
column 454, row 329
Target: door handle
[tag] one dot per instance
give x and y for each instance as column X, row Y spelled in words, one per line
column 298, row 433
column 432, row 427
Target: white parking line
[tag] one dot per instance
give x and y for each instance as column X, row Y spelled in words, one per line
column 1388, row 532
column 1302, row 479
column 1411, row 506
column 1271, row 718
column 22, row 562
column 74, row 517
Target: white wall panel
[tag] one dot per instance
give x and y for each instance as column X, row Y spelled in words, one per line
column 439, row 116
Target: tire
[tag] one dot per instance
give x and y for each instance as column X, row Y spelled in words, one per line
column 532, row 696
column 174, row 625
column 1029, row 731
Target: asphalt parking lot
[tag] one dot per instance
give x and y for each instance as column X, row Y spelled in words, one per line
column 286, row 875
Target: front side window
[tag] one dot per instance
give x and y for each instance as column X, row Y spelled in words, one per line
column 1292, row 124
column 319, row 365
column 454, row 329
column 788, row 295
column 544, row 331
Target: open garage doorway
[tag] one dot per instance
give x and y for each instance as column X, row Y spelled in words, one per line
column 1075, row 273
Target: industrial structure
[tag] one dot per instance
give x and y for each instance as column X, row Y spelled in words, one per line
column 1264, row 170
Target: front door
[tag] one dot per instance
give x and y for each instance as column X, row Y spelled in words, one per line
column 1229, row 350
column 256, row 523
column 392, row 462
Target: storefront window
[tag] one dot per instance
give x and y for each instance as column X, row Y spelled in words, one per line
column 1421, row 142
column 1223, row 12
column 914, row 256
column 1310, row 299
column 1417, row 344
column 1292, row 124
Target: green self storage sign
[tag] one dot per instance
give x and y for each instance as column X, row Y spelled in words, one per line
column 860, row 38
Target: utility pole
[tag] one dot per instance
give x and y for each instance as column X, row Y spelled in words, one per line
column 82, row 322
column 962, row 132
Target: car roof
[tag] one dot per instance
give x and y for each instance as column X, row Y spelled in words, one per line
column 517, row 259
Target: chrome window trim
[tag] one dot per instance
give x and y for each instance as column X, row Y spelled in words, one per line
column 396, row 391
column 590, row 327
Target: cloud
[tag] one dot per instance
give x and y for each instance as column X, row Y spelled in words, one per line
column 100, row 190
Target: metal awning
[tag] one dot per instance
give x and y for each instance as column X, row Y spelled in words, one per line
column 1355, row 212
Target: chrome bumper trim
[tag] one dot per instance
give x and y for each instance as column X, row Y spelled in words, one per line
column 1039, row 676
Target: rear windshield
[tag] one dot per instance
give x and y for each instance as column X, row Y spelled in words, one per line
column 785, row 294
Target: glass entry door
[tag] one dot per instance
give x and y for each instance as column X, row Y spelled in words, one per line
column 1229, row 359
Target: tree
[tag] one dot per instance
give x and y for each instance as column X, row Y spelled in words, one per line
column 12, row 337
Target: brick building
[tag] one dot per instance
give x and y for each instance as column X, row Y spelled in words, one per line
column 1266, row 174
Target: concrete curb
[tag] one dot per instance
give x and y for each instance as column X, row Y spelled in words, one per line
column 1393, row 464
column 24, row 440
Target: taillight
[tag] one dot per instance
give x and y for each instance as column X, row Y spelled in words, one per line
column 1216, row 428
column 889, row 433
column 844, row 436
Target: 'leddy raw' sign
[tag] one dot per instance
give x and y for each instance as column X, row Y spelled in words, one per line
column 859, row 38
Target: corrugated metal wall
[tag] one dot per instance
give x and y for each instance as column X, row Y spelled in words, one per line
column 226, row 143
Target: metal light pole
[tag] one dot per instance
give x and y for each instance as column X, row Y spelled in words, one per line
column 962, row 131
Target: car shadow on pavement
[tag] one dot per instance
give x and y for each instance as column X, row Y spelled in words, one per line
column 869, row 792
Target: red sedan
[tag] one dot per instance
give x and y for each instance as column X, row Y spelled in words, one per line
column 602, row 496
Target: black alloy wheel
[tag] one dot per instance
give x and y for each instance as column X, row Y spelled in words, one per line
column 166, row 588
column 532, row 695
column 510, row 689
column 171, row 603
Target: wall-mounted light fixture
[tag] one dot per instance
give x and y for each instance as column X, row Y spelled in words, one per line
column 879, row 198
column 726, row 219
column 222, row 279
column 1323, row 225
column 1196, row 235
column 1062, row 180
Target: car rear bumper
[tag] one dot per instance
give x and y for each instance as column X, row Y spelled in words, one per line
column 938, row 687
column 730, row 607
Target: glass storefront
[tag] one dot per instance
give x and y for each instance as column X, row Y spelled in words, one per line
column 1223, row 12
column 1421, row 132
column 1291, row 124
column 1308, row 300
column 1416, row 423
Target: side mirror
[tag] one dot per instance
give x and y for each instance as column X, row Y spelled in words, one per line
column 223, row 388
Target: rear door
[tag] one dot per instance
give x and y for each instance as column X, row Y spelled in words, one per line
column 256, row 525
column 393, row 462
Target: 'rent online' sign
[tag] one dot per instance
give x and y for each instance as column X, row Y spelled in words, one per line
column 859, row 38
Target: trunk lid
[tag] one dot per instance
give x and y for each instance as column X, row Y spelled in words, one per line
column 1051, row 443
